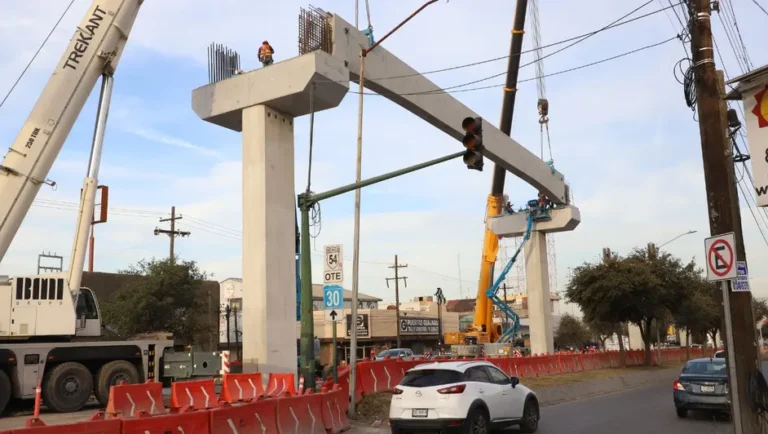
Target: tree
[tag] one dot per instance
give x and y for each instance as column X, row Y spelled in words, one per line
column 571, row 332
column 662, row 290
column 603, row 330
column 639, row 289
column 166, row 298
column 609, row 291
column 699, row 311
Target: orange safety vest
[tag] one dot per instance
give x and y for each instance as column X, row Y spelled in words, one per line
column 265, row 50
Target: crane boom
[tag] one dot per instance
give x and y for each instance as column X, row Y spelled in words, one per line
column 95, row 49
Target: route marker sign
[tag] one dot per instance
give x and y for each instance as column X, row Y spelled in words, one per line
column 720, row 252
column 333, row 302
column 333, row 265
column 741, row 284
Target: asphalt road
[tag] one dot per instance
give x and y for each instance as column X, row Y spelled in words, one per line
column 637, row 411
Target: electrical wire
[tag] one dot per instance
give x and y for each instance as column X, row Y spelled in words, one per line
column 761, row 7
column 36, row 53
column 494, row 59
column 576, row 68
column 578, row 41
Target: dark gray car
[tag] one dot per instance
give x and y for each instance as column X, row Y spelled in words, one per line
column 702, row 385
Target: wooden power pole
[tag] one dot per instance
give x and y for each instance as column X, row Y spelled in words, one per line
column 173, row 232
column 724, row 217
column 397, row 294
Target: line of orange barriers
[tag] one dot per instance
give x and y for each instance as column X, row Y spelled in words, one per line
column 384, row 375
column 244, row 406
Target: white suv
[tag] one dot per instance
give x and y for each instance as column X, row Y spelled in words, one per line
column 463, row 397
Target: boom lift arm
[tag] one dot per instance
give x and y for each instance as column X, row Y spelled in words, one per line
column 94, row 50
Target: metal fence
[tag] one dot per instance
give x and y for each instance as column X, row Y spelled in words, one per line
column 314, row 30
column 223, row 63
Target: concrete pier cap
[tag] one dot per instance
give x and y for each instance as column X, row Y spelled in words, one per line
column 262, row 105
column 283, row 86
column 564, row 219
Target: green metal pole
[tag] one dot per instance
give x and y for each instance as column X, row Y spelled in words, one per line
column 376, row 179
column 335, row 356
column 306, row 200
column 307, row 316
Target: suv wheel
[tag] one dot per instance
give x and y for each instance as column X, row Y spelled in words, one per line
column 477, row 422
column 530, row 422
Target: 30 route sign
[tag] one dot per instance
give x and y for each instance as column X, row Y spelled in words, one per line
column 334, row 297
column 720, row 253
column 333, row 265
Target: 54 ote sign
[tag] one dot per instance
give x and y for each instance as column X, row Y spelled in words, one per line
column 333, row 265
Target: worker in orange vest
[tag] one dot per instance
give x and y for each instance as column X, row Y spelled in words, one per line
column 265, row 54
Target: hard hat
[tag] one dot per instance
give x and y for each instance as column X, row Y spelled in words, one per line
column 265, row 42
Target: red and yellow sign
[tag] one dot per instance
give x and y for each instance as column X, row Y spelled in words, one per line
column 761, row 108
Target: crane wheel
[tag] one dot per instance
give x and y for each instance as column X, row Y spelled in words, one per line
column 67, row 387
column 5, row 390
column 110, row 375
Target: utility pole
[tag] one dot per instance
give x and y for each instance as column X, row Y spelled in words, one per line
column 173, row 232
column 227, row 315
column 397, row 294
column 723, row 207
column 440, row 299
column 358, row 179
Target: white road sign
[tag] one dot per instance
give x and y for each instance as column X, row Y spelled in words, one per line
column 334, row 257
column 741, row 284
column 756, row 113
column 333, row 277
column 334, row 315
column 720, row 253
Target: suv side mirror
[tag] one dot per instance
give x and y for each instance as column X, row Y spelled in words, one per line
column 515, row 381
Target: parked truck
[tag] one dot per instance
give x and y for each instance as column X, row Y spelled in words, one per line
column 50, row 326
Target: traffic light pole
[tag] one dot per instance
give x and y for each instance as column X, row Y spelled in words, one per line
column 306, row 201
column 358, row 176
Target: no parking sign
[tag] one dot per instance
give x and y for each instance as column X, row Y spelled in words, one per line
column 721, row 257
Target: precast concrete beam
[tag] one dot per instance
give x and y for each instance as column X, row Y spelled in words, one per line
column 438, row 108
column 513, row 225
column 283, row 86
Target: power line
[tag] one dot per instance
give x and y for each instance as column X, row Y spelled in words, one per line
column 36, row 53
column 760, row 6
column 615, row 24
column 576, row 68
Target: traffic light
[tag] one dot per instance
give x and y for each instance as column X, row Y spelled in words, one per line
column 473, row 141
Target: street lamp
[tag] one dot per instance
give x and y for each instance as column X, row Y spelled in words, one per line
column 658, row 325
column 681, row 235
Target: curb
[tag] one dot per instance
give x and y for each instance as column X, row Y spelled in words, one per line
column 587, row 389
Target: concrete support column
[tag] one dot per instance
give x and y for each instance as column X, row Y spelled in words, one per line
column 537, row 286
column 269, row 258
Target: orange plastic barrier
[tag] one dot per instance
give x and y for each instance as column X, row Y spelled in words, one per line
column 193, row 422
column 257, row 417
column 300, row 414
column 377, row 376
column 135, row 400
column 193, row 395
column 91, row 427
column 335, row 404
column 242, row 387
column 278, row 384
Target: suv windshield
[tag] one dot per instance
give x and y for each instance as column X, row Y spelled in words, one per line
column 705, row 367
column 431, row 377
column 390, row 353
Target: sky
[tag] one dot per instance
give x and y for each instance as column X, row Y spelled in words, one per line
column 620, row 132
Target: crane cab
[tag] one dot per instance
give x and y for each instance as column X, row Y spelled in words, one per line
column 43, row 306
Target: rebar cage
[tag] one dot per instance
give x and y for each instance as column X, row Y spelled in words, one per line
column 314, row 30
column 223, row 63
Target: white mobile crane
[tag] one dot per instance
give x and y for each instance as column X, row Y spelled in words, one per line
column 50, row 327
